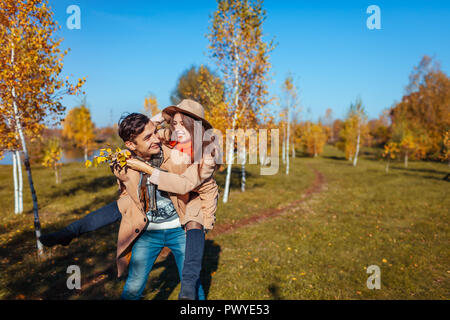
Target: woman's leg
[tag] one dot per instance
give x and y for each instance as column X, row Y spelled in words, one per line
column 143, row 256
column 177, row 244
column 195, row 245
column 95, row 220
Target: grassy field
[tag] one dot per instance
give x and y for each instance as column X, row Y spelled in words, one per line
column 319, row 248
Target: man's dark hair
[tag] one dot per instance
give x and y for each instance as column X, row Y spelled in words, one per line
column 132, row 125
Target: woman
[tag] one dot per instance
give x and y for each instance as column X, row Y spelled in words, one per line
column 182, row 119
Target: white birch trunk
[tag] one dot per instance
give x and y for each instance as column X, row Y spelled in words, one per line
column 55, row 169
column 37, row 224
column 355, row 159
column 231, row 144
column 230, row 159
column 244, row 155
column 288, row 138
column 20, row 179
column 16, row 184
column 406, row 160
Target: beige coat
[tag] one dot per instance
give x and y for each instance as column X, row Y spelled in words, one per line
column 134, row 220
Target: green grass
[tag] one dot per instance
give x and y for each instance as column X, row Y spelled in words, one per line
column 318, row 250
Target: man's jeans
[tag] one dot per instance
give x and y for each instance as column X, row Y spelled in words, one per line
column 145, row 251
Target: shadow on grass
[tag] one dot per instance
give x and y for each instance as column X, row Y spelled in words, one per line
column 235, row 179
column 274, row 291
column 421, row 170
column 167, row 281
column 439, row 178
column 95, row 185
column 334, row 157
column 33, row 278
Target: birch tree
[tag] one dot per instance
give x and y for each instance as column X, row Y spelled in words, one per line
column 408, row 146
column 357, row 111
column 390, row 151
column 30, row 87
column 291, row 106
column 238, row 48
column 314, row 138
column 52, row 157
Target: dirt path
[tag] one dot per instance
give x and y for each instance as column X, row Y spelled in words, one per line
column 316, row 187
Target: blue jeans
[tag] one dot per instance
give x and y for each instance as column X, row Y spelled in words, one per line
column 145, row 251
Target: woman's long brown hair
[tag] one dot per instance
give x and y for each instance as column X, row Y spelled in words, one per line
column 188, row 123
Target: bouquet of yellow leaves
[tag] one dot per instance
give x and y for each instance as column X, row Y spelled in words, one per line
column 106, row 155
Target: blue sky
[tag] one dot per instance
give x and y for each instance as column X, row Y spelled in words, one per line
column 129, row 49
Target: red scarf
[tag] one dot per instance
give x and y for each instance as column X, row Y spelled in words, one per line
column 185, row 147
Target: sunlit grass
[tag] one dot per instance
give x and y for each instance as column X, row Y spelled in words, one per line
column 319, row 250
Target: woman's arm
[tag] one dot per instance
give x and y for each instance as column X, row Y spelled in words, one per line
column 166, row 181
column 182, row 183
column 139, row 165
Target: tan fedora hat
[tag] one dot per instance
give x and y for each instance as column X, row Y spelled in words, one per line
column 189, row 107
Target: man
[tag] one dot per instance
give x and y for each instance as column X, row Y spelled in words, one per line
column 149, row 218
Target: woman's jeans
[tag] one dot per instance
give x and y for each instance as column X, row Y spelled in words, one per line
column 144, row 253
column 97, row 219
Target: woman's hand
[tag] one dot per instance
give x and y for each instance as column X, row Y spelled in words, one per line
column 139, row 165
column 210, row 158
column 158, row 118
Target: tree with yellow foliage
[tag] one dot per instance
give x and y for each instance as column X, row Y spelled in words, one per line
column 30, row 87
column 408, row 146
column 314, row 138
column 237, row 45
column 203, row 86
column 347, row 137
column 354, row 132
column 78, row 127
column 52, row 157
column 390, row 151
column 445, row 155
column 151, row 105
column 425, row 108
